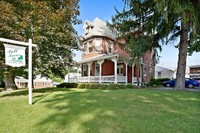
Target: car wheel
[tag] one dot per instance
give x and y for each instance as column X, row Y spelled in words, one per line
column 190, row 85
column 168, row 85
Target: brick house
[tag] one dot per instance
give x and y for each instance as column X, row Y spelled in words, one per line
column 195, row 72
column 38, row 82
column 103, row 60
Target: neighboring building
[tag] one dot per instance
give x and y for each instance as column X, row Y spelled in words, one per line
column 72, row 77
column 103, row 60
column 38, row 82
column 195, row 72
column 161, row 72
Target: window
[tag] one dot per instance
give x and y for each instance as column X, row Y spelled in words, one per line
column 84, row 48
column 90, row 46
column 90, row 71
column 98, row 45
column 110, row 47
column 159, row 74
column 120, row 70
column 35, row 84
column 85, row 70
column 97, row 70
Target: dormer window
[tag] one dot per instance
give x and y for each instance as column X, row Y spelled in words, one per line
column 88, row 29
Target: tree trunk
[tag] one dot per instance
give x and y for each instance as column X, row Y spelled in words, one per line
column 180, row 75
column 138, row 74
column 9, row 79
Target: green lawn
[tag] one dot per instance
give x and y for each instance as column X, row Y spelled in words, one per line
column 100, row 111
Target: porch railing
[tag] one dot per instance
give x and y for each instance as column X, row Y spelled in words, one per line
column 121, row 79
column 107, row 79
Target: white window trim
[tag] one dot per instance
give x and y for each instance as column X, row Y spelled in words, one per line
column 100, row 45
column 89, row 45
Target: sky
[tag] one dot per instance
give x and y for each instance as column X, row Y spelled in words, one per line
column 105, row 9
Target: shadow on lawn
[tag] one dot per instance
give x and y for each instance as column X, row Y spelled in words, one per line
column 110, row 111
column 82, row 111
column 25, row 92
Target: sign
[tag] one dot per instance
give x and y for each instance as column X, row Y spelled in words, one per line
column 14, row 55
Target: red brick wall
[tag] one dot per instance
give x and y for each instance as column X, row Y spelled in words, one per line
column 148, row 66
column 119, row 51
column 105, row 42
column 42, row 84
column 194, row 70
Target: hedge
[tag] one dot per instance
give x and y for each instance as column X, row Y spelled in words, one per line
column 67, row 85
column 110, row 86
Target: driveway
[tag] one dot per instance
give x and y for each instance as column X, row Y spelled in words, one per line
column 196, row 89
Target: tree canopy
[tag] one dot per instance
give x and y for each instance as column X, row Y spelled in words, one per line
column 163, row 21
column 50, row 24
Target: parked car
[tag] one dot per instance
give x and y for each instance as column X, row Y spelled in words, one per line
column 188, row 83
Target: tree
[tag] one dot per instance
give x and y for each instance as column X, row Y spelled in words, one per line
column 49, row 24
column 130, row 24
column 165, row 21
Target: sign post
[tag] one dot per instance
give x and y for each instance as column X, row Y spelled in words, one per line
column 15, row 56
column 30, row 72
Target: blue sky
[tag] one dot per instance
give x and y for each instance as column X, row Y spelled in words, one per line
column 104, row 9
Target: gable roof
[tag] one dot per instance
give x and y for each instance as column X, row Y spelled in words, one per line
column 195, row 66
column 99, row 28
column 159, row 68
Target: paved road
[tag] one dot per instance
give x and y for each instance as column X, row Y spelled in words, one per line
column 196, row 89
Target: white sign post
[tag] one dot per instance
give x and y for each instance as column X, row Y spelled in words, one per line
column 16, row 58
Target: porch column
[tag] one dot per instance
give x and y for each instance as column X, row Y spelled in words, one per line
column 100, row 63
column 89, row 65
column 115, row 61
column 133, row 73
column 77, row 78
column 126, row 63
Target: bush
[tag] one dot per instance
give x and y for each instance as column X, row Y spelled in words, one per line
column 2, row 84
column 122, row 86
column 130, row 86
column 113, row 86
column 81, row 85
column 155, row 82
column 103, row 86
column 94, row 86
column 67, row 85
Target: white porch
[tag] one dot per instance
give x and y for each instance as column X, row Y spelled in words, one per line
column 107, row 69
column 106, row 79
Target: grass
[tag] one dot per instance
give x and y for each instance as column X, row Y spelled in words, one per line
column 100, row 111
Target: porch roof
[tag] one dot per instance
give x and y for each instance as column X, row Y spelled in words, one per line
column 100, row 57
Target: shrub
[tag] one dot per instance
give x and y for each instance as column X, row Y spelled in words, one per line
column 67, row 85
column 129, row 86
column 82, row 85
column 113, row 86
column 122, row 86
column 109, row 86
column 154, row 82
column 103, row 86
column 94, row 86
